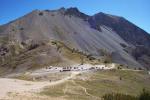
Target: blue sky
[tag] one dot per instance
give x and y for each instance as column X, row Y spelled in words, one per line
column 136, row 11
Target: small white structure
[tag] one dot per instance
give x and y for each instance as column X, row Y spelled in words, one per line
column 85, row 67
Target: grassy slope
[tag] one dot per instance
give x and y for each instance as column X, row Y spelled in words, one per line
column 55, row 54
column 109, row 81
column 99, row 83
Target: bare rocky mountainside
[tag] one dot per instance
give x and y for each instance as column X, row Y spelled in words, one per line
column 67, row 36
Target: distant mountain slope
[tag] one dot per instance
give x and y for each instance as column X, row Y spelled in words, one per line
column 128, row 31
column 133, row 35
column 87, row 35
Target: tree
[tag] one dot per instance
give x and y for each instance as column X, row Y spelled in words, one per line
column 73, row 50
column 82, row 60
column 120, row 78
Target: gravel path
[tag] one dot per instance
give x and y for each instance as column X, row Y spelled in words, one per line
column 14, row 85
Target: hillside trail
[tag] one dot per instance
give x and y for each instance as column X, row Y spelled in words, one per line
column 8, row 85
column 86, row 92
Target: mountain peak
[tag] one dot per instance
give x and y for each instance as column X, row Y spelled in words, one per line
column 62, row 9
column 124, row 28
column 75, row 12
column 101, row 14
column 74, row 9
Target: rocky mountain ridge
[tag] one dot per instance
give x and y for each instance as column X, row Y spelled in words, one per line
column 93, row 36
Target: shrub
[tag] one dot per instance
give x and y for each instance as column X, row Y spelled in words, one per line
column 134, row 68
column 74, row 32
column 21, row 28
column 120, row 78
column 106, row 54
column 52, row 15
column 88, row 56
column 82, row 61
column 91, row 58
column 33, row 46
column 13, row 29
column 23, row 43
column 119, row 67
column 54, row 43
column 14, row 67
column 145, row 95
column 73, row 50
column 140, row 68
column 105, row 62
column 127, row 66
column 41, row 13
column 58, row 48
column 118, row 96
column 123, row 45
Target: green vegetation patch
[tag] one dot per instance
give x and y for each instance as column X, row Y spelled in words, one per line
column 95, row 85
column 145, row 95
column 117, row 81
